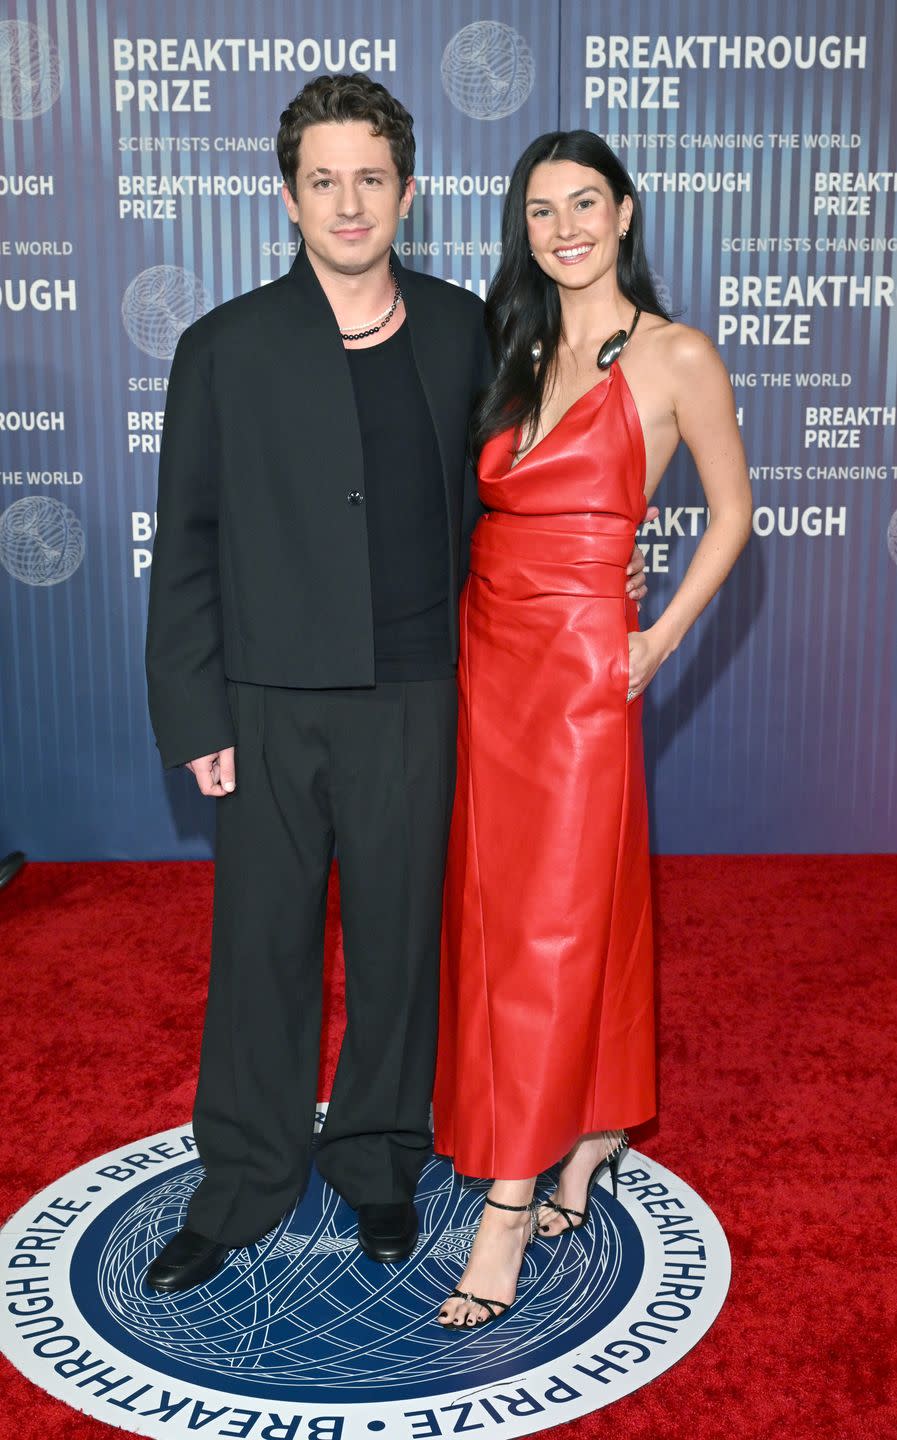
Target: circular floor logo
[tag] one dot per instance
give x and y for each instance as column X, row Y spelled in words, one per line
column 301, row 1337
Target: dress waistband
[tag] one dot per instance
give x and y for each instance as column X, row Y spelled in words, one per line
column 557, row 554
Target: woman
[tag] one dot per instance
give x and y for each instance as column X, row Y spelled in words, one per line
column 546, row 1031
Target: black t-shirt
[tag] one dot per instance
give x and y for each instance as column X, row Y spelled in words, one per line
column 406, row 516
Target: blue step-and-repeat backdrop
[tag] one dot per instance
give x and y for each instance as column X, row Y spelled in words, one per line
column 139, row 187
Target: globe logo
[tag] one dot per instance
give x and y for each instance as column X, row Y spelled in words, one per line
column 41, row 541
column 892, row 537
column 301, row 1335
column 302, row 1315
column 158, row 306
column 30, row 79
column 488, row 70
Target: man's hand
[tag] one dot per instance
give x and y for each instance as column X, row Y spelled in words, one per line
column 215, row 774
column 636, row 589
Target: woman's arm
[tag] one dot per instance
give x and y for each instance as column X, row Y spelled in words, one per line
column 705, row 414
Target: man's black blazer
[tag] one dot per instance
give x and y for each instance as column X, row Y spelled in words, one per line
column 260, row 564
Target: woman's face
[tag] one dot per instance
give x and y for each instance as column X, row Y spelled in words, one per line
column 573, row 222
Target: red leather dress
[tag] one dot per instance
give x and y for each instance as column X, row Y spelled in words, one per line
column 546, row 1008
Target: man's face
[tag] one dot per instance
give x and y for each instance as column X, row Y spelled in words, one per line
column 348, row 198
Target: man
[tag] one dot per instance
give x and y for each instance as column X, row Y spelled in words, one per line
column 315, row 508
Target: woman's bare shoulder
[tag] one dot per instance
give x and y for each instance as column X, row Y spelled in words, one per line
column 681, row 365
column 683, row 347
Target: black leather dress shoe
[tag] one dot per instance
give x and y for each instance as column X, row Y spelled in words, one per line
column 387, row 1232
column 187, row 1260
column 10, row 866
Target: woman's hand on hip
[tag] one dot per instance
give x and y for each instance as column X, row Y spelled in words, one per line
column 636, row 589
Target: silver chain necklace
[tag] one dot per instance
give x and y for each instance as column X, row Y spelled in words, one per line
column 381, row 320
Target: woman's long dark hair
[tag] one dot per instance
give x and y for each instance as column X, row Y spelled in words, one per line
column 523, row 306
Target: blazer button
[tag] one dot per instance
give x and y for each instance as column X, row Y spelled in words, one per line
column 355, row 497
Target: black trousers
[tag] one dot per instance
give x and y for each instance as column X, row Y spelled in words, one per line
column 372, row 772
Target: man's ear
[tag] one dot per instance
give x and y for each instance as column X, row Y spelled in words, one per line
column 292, row 208
column 407, row 196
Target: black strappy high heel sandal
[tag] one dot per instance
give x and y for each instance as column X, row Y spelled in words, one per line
column 612, row 1161
column 496, row 1308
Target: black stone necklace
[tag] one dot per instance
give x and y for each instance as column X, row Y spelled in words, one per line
column 610, row 351
column 381, row 320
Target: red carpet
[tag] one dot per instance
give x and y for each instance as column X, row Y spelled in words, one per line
column 778, row 982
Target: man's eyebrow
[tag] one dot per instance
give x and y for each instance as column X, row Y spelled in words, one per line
column 363, row 170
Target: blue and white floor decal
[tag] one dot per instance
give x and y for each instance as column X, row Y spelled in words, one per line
column 301, row 1337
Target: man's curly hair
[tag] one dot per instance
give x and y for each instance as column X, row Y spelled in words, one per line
column 339, row 98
